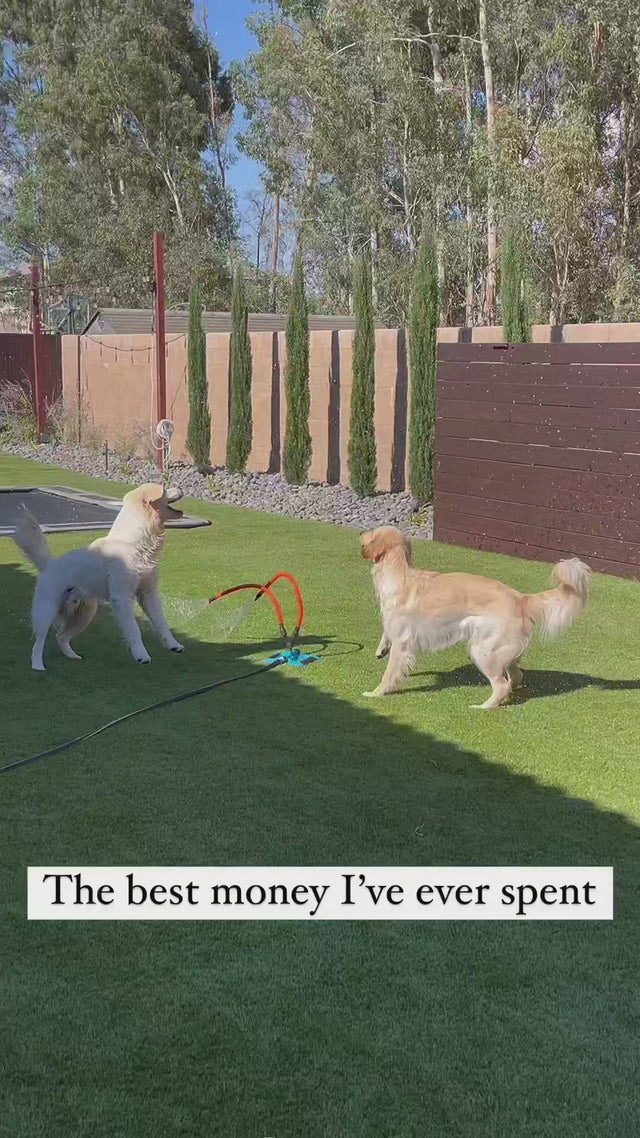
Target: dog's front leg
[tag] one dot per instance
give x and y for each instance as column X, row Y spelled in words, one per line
column 151, row 604
column 401, row 660
column 123, row 612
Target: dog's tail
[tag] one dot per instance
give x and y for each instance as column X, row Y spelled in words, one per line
column 30, row 539
column 556, row 609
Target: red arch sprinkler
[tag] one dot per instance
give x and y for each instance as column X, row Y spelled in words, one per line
column 289, row 654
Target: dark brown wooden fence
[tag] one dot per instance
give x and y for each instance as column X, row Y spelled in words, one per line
column 16, row 364
column 538, row 451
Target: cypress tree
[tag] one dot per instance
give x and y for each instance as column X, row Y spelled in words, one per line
column 513, row 289
column 423, row 335
column 199, row 430
column 240, row 425
column 296, row 453
column 362, row 440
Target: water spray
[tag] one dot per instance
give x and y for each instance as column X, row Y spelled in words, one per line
column 289, row 654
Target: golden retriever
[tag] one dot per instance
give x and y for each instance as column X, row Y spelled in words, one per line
column 425, row 611
column 118, row 568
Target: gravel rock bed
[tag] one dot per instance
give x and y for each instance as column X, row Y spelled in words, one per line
column 268, row 493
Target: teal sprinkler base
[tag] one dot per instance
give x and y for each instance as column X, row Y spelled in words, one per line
column 293, row 657
column 289, row 655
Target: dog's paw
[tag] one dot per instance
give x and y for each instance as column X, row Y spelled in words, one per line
column 68, row 651
column 372, row 694
column 177, row 647
column 382, row 652
column 146, row 659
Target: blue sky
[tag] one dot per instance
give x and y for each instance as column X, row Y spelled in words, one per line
column 227, row 28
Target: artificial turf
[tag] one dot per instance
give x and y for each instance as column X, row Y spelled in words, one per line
column 296, row 1029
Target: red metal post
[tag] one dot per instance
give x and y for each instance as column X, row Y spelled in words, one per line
column 38, row 354
column 161, row 362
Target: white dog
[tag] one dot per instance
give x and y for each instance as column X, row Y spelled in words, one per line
column 118, row 568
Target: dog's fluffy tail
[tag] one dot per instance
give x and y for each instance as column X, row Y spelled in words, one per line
column 30, row 539
column 556, row 609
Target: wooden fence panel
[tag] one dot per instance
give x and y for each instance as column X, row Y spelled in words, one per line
column 537, row 354
column 16, row 364
column 537, row 451
column 16, row 360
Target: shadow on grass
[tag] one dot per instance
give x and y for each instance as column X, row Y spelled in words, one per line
column 538, row 682
column 333, row 1030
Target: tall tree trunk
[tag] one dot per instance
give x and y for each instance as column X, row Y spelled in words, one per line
column 406, row 194
column 438, row 84
column 492, row 235
column 171, row 186
column 627, row 134
column 626, row 202
column 112, row 193
column 260, row 234
column 373, row 232
column 469, row 291
column 275, row 253
column 373, row 251
column 559, row 282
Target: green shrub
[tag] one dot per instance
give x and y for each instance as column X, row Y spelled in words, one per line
column 199, row 430
column 240, row 425
column 362, row 440
column 423, row 336
column 296, row 454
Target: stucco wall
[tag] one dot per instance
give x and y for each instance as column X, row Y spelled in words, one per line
column 109, row 385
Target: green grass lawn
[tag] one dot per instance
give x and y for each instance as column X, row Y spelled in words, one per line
column 337, row 1029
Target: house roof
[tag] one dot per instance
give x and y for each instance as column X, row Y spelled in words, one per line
column 132, row 321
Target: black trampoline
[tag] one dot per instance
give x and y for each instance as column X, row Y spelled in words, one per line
column 61, row 510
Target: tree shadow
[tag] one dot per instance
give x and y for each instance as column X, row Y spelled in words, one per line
column 363, row 1030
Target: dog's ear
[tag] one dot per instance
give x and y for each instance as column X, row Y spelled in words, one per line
column 365, row 544
column 379, row 542
column 151, row 494
column 379, row 546
column 373, row 545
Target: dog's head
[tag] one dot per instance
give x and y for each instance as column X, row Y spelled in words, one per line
column 383, row 544
column 153, row 502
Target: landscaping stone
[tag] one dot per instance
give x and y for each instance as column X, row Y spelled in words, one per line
column 268, row 493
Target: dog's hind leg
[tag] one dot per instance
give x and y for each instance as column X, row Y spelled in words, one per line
column 515, row 675
column 384, row 647
column 492, row 666
column 44, row 613
column 78, row 619
column 401, row 660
